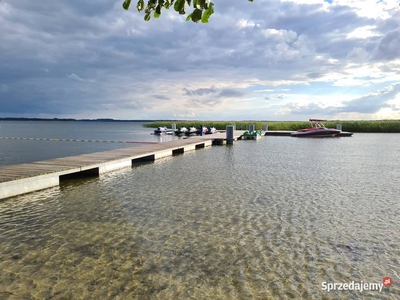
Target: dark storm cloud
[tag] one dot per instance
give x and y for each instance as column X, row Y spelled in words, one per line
column 389, row 47
column 200, row 91
column 214, row 93
column 160, row 97
column 314, row 75
column 73, row 57
column 231, row 93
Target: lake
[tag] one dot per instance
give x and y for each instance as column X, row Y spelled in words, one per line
column 276, row 218
column 22, row 151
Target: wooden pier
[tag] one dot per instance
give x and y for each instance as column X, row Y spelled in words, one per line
column 24, row 178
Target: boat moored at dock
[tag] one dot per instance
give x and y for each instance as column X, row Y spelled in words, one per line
column 317, row 129
column 211, row 130
column 252, row 135
column 162, row 130
column 202, row 130
column 181, row 130
column 191, row 130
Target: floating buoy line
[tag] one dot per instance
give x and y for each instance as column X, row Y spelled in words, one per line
column 74, row 140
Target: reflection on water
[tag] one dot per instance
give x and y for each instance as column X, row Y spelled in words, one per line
column 268, row 219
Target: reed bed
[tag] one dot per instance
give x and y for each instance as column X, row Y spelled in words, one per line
column 382, row 126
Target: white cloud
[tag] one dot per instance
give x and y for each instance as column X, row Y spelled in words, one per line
column 75, row 77
column 309, row 54
column 246, row 23
column 280, row 36
column 370, row 9
column 363, row 32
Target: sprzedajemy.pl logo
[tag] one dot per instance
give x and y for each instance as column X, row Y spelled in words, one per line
column 357, row 286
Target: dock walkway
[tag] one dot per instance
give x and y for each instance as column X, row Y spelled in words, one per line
column 24, row 178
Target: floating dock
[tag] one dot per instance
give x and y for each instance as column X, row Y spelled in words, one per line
column 24, row 178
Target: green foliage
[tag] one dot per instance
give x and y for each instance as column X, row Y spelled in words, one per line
column 127, row 4
column 384, row 126
column 209, row 11
column 202, row 11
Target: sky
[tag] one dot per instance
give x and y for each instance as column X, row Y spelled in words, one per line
column 287, row 60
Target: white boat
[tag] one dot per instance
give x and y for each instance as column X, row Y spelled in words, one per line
column 181, row 130
column 211, row 130
column 191, row 130
column 317, row 129
column 161, row 130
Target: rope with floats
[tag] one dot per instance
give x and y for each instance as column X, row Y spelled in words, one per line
column 74, row 140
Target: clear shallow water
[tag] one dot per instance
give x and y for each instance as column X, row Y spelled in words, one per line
column 24, row 151
column 267, row 219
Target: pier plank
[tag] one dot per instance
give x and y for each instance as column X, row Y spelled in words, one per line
column 13, row 177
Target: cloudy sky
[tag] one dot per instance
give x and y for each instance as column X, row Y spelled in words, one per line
column 266, row 60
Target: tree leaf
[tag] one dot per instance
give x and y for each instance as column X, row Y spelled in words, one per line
column 167, row 4
column 207, row 14
column 170, row 3
column 200, row 4
column 179, row 4
column 196, row 15
column 147, row 16
column 126, row 4
column 203, row 9
column 158, row 10
column 140, row 5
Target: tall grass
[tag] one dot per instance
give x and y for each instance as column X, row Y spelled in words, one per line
column 384, row 126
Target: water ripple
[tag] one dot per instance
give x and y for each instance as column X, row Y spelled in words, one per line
column 259, row 222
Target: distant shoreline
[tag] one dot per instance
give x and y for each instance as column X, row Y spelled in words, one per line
column 74, row 120
column 373, row 126
column 173, row 120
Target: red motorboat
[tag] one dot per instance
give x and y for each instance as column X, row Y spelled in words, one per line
column 317, row 129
